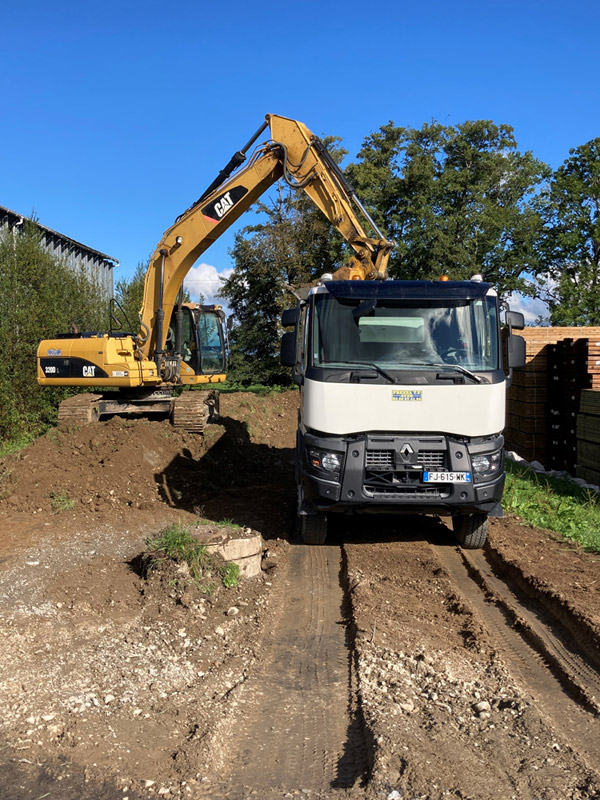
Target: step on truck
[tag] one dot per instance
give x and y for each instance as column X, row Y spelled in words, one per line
column 402, row 400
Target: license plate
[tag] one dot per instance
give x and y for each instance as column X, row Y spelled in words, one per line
column 447, row 477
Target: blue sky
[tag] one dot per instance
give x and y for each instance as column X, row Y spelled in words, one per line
column 116, row 115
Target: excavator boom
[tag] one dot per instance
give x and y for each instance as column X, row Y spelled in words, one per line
column 179, row 343
column 301, row 159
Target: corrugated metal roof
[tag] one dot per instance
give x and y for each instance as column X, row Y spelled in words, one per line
column 8, row 212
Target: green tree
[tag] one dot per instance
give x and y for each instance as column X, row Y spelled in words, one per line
column 457, row 200
column 129, row 293
column 570, row 246
column 39, row 297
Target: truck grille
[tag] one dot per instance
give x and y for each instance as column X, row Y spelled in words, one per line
column 434, row 460
column 388, row 476
column 380, row 459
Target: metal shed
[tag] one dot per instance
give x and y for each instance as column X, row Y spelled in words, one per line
column 96, row 265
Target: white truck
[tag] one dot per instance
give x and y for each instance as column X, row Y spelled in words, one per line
column 402, row 400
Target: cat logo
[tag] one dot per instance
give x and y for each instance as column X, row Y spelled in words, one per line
column 89, row 372
column 223, row 205
column 216, row 210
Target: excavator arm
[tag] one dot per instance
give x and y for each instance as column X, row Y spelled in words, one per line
column 301, row 159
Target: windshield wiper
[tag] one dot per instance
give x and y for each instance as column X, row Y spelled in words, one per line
column 376, row 368
column 456, row 368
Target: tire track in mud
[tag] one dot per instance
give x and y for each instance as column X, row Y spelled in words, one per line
column 544, row 631
column 558, row 676
column 301, row 726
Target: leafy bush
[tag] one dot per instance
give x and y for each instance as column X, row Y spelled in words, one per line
column 39, row 297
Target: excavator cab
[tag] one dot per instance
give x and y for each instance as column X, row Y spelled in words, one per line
column 203, row 343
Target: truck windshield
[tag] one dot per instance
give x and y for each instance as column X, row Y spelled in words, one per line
column 400, row 335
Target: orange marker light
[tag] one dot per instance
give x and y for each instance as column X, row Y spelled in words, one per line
column 444, row 277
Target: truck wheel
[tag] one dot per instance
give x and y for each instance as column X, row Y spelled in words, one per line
column 471, row 530
column 314, row 528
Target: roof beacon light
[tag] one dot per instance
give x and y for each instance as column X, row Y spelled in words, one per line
column 444, row 277
column 478, row 278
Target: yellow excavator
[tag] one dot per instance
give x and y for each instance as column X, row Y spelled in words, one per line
column 183, row 344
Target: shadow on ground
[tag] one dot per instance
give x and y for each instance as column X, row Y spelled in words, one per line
column 236, row 479
column 378, row 528
column 22, row 780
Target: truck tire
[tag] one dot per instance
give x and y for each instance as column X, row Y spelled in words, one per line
column 314, row 528
column 471, row 530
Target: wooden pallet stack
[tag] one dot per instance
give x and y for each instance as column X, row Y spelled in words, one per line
column 573, row 365
column 588, row 435
column 527, row 421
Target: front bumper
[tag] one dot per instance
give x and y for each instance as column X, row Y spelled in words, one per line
column 384, row 473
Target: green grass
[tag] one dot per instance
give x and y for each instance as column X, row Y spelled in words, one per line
column 224, row 523
column 176, row 544
column 554, row 504
column 255, row 388
column 14, row 445
column 61, row 501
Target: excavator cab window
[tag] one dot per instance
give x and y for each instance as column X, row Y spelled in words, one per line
column 189, row 349
column 211, row 343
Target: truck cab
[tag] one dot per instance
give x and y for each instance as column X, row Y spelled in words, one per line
column 402, row 401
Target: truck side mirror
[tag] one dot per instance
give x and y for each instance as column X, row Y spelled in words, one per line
column 516, row 320
column 516, row 352
column 288, row 349
column 289, row 318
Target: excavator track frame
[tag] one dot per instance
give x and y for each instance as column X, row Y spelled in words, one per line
column 192, row 411
column 80, row 410
column 189, row 412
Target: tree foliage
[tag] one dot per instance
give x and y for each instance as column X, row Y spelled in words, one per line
column 570, row 245
column 129, row 293
column 456, row 199
column 39, row 297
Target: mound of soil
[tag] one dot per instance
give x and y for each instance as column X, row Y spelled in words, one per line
column 111, row 470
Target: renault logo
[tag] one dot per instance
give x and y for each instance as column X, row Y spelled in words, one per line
column 406, row 451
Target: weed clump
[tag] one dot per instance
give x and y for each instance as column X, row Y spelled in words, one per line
column 61, row 501
column 194, row 563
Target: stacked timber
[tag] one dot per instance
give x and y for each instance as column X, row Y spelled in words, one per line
column 573, row 366
column 588, row 436
column 527, row 421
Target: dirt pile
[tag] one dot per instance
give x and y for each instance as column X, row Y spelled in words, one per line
column 94, row 468
column 124, row 463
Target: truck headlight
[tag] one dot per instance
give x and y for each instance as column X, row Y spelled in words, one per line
column 324, row 460
column 487, row 464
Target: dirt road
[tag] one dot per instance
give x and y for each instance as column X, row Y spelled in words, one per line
column 385, row 662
